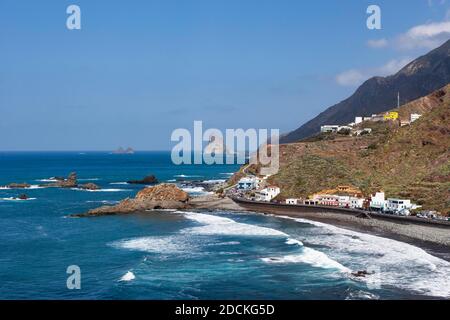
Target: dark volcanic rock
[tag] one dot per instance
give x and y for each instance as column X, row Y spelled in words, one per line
column 23, row 197
column 163, row 196
column 147, row 180
column 89, row 186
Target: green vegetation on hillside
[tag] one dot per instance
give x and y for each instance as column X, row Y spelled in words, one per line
column 409, row 162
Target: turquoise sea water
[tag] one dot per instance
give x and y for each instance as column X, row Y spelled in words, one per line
column 184, row 255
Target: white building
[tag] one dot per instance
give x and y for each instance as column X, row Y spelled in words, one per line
column 329, row 128
column 358, row 120
column 311, row 202
column 399, row 206
column 327, row 199
column 267, row 194
column 378, row 201
column 344, row 201
column 291, row 201
column 414, row 117
column 248, row 183
column 356, row 203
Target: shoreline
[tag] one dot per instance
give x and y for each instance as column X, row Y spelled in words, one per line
column 433, row 239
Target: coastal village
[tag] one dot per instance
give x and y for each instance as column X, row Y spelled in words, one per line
column 254, row 188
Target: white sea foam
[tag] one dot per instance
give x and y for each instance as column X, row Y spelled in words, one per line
column 186, row 176
column 119, row 183
column 47, row 180
column 399, row 264
column 152, row 244
column 362, row 295
column 16, row 199
column 33, row 186
column 214, row 181
column 196, row 190
column 309, row 256
column 129, row 276
column 103, row 201
column 88, row 179
column 215, row 225
column 100, row 190
column 227, row 173
column 294, row 241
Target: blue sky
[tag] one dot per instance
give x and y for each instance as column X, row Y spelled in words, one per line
column 139, row 69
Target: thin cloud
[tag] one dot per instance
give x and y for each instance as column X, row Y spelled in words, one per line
column 378, row 43
column 350, row 78
column 355, row 77
column 427, row 36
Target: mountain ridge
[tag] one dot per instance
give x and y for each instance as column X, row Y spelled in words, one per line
column 419, row 78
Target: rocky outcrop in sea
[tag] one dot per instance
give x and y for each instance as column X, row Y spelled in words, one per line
column 163, row 196
column 69, row 182
column 146, row 180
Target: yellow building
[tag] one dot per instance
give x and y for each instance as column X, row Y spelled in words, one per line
column 391, row 116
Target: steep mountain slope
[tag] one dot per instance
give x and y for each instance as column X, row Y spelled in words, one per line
column 411, row 161
column 419, row 78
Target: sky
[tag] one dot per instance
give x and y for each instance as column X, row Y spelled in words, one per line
column 137, row 70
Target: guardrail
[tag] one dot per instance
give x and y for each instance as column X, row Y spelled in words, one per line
column 355, row 212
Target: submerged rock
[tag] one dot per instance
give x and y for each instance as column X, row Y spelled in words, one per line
column 147, row 180
column 163, row 196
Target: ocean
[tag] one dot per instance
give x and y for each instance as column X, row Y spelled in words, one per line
column 184, row 254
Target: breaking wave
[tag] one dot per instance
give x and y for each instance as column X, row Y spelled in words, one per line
column 196, row 190
column 129, row 276
column 396, row 263
column 152, row 244
column 16, row 199
column 215, row 225
column 100, row 190
column 187, row 176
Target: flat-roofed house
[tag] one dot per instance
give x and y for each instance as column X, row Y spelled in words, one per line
column 378, row 201
column 291, row 201
column 356, row 203
column 329, row 128
column 267, row 194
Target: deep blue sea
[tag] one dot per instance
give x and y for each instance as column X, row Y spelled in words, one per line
column 184, row 255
